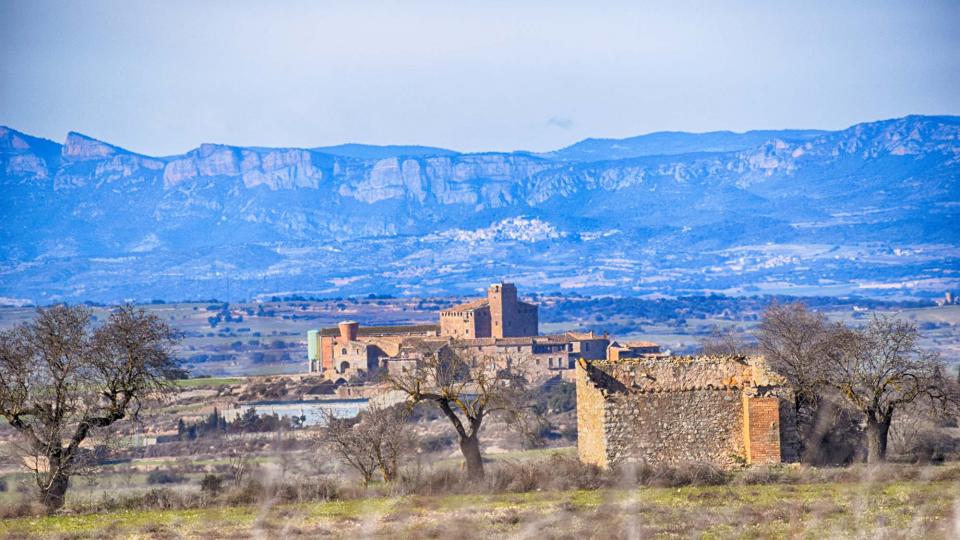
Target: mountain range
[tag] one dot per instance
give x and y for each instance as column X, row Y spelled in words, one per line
column 868, row 210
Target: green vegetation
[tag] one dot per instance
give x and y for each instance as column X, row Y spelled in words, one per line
column 208, row 382
column 901, row 509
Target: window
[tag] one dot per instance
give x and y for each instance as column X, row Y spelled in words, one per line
column 343, row 350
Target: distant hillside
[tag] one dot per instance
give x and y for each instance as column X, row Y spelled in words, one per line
column 871, row 210
column 367, row 151
column 667, row 143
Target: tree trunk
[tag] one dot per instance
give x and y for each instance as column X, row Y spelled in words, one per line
column 55, row 493
column 877, row 431
column 389, row 470
column 470, row 447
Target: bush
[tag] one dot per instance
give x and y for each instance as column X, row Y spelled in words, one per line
column 211, row 485
column 767, row 474
column 251, row 492
column 22, row 508
column 436, row 443
column 164, row 477
column 689, row 474
column 558, row 472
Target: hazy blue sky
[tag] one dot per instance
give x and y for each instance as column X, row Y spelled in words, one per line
column 163, row 77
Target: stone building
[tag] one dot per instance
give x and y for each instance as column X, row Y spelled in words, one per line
column 350, row 350
column 499, row 315
column 540, row 357
column 621, row 350
column 679, row 409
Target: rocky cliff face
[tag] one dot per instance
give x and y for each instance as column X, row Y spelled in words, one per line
column 894, row 181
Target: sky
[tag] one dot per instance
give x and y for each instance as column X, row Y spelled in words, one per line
column 161, row 78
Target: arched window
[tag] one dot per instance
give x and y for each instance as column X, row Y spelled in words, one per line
column 344, row 366
column 343, row 350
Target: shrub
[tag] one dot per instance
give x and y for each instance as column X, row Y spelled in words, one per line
column 164, row 477
column 24, row 507
column 251, row 492
column 211, row 485
column 323, row 490
column 688, row 474
column 555, row 473
column 436, row 443
column 767, row 474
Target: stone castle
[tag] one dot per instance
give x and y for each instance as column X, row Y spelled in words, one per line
column 499, row 315
column 499, row 326
column 680, row 409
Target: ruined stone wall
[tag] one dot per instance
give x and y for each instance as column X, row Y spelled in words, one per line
column 682, row 373
column 675, row 427
column 591, row 438
column 674, row 410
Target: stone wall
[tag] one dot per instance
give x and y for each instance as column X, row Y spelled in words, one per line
column 467, row 323
column 591, row 437
column 674, row 410
column 675, row 427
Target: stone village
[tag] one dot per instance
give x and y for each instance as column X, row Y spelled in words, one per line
column 635, row 403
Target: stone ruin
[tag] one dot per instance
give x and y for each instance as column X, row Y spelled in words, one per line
column 727, row 411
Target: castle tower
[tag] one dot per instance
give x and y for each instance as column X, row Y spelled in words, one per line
column 348, row 330
column 502, row 298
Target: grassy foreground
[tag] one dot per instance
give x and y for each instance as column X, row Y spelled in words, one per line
column 903, row 509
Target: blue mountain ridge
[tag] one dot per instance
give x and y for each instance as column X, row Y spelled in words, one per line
column 871, row 209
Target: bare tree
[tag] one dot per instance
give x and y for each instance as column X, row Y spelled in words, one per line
column 725, row 343
column 879, row 369
column 795, row 341
column 239, row 460
column 467, row 389
column 389, row 437
column 347, row 440
column 61, row 381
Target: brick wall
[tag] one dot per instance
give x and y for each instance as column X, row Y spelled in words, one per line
column 763, row 432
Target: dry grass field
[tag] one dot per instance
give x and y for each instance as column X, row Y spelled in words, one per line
column 894, row 509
